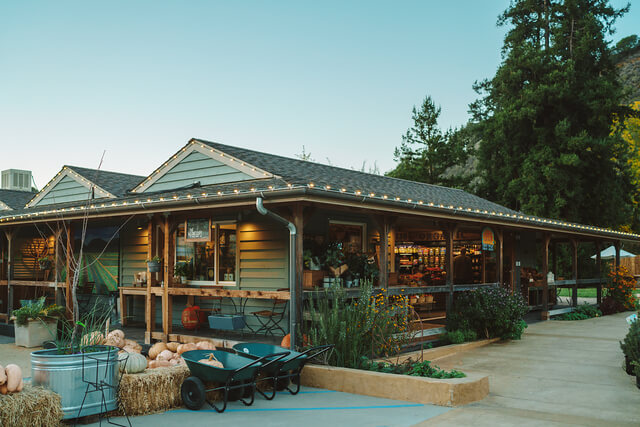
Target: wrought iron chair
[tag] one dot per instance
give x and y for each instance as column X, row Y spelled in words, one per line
column 269, row 320
column 102, row 382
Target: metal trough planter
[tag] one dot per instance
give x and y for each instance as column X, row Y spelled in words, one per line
column 227, row 322
column 63, row 373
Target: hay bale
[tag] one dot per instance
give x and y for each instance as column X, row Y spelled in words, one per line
column 33, row 406
column 154, row 390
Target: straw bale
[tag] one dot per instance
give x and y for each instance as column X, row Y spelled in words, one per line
column 154, row 390
column 33, row 406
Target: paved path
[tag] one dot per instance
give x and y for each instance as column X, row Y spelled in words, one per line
column 561, row 373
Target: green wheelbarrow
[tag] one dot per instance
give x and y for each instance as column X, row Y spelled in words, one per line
column 238, row 374
column 280, row 370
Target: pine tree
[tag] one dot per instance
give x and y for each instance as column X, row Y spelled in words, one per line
column 545, row 120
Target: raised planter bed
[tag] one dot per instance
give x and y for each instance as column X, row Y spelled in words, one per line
column 443, row 392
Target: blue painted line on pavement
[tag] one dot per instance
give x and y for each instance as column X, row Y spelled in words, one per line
column 326, row 408
column 309, row 392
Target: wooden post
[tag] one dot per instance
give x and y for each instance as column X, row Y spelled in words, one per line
column 545, row 271
column 554, row 256
column 298, row 221
column 599, row 264
column 617, row 245
column 167, row 315
column 56, row 268
column 384, row 253
column 150, row 314
column 449, row 233
column 500, row 266
column 574, row 289
column 9, row 234
column 512, row 276
column 67, row 284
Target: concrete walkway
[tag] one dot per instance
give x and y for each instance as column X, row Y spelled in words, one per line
column 561, row 373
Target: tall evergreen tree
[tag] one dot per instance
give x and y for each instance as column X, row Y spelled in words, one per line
column 546, row 115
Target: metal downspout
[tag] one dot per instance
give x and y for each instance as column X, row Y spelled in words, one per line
column 293, row 322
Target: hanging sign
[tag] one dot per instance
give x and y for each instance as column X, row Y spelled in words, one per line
column 488, row 239
column 197, row 230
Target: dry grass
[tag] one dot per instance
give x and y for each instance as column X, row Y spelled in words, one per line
column 151, row 391
column 32, row 407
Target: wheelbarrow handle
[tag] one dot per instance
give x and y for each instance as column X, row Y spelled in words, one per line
column 320, row 349
column 253, row 363
column 278, row 357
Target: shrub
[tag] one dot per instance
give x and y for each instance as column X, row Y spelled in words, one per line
column 581, row 312
column 489, row 312
column 631, row 344
column 621, row 287
column 460, row 335
column 37, row 310
column 373, row 325
column 413, row 368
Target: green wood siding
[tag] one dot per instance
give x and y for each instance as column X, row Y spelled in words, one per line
column 197, row 167
column 67, row 190
column 133, row 253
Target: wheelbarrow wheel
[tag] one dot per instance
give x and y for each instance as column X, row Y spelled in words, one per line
column 193, row 393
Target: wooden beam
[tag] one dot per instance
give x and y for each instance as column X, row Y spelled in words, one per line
column 599, row 265
column 449, row 232
column 68, row 296
column 384, row 253
column 150, row 314
column 617, row 246
column 545, row 271
column 167, row 317
column 574, row 264
column 500, row 272
column 9, row 234
column 299, row 221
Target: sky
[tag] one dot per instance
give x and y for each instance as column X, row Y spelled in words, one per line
column 136, row 80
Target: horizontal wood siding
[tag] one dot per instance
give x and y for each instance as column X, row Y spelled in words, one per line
column 197, row 167
column 67, row 190
column 133, row 253
column 263, row 255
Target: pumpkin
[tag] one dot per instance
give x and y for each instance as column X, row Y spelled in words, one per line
column 156, row 349
column 14, row 377
column 189, row 317
column 117, row 332
column 128, row 349
column 133, row 344
column 135, row 363
column 177, row 361
column 212, row 361
column 114, row 340
column 286, row 341
column 165, row 355
column 205, row 345
column 186, row 347
column 3, row 389
column 94, row 338
column 159, row 364
column 173, row 346
column 3, row 375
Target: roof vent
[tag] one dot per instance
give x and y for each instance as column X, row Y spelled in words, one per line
column 16, row 179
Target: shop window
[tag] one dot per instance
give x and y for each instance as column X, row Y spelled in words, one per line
column 211, row 261
column 350, row 235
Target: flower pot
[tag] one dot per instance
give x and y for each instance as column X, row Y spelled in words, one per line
column 628, row 367
column 227, row 322
column 35, row 332
column 63, row 373
column 154, row 267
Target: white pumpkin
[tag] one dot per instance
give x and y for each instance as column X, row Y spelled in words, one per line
column 205, row 345
column 165, row 355
column 14, row 377
column 134, row 364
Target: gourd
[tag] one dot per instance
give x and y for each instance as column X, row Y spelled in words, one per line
column 117, row 332
column 173, row 346
column 165, row 355
column 156, row 349
column 133, row 344
column 135, row 363
column 212, row 361
column 3, row 375
column 205, row 345
column 14, row 377
column 94, row 338
column 177, row 361
column 186, row 347
column 3, row 389
column 159, row 364
column 129, row 349
column 114, row 340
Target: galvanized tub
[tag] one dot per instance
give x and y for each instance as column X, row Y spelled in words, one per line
column 63, row 373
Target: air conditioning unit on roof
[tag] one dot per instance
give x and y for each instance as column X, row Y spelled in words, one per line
column 16, row 179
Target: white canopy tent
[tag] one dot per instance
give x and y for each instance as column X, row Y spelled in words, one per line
column 610, row 253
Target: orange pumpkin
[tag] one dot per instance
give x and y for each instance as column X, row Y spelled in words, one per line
column 190, row 317
column 286, row 341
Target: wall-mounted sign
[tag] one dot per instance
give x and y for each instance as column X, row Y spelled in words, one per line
column 198, row 230
column 488, row 239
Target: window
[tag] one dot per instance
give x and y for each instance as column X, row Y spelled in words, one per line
column 350, row 235
column 210, row 262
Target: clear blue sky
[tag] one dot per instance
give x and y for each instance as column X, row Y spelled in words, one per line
column 139, row 78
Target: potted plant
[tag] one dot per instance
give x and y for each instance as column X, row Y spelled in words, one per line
column 181, row 270
column 371, row 270
column 45, row 263
column 153, row 264
column 334, row 261
column 631, row 347
column 34, row 323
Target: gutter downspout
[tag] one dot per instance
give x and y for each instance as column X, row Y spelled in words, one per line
column 293, row 322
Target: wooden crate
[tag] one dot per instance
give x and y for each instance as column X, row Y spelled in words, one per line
column 312, row 278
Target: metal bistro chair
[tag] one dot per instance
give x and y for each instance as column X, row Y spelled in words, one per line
column 270, row 319
column 101, row 383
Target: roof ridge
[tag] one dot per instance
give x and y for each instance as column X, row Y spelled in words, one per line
column 330, row 166
column 102, row 170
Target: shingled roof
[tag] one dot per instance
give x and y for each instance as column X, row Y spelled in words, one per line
column 15, row 199
column 115, row 183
